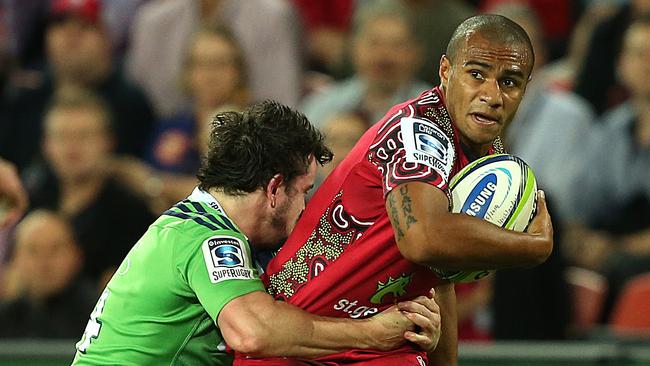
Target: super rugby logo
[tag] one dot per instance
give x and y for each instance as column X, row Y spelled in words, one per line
column 425, row 143
column 225, row 259
column 431, row 141
column 228, row 255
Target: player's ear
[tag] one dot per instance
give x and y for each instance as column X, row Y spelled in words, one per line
column 444, row 71
column 272, row 188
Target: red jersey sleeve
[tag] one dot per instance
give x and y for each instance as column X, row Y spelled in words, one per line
column 412, row 148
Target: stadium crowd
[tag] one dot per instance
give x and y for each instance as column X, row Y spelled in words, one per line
column 105, row 109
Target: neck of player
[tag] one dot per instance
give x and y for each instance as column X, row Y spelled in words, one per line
column 245, row 210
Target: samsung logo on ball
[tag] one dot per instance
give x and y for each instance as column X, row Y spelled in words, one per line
column 479, row 199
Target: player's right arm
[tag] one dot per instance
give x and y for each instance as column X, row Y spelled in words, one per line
column 428, row 234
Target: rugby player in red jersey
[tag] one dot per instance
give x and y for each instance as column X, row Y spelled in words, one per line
column 380, row 223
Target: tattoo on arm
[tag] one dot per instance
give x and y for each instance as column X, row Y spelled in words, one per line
column 406, row 206
column 399, row 234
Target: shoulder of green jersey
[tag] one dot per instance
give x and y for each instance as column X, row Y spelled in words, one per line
column 227, row 258
column 425, row 143
column 195, row 215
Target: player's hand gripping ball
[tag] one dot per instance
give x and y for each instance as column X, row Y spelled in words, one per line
column 498, row 188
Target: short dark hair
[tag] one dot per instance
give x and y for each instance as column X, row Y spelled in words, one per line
column 497, row 27
column 248, row 148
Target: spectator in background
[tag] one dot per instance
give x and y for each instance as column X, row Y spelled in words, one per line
column 13, row 202
column 214, row 75
column 26, row 22
column 23, row 25
column 46, row 296
column 561, row 74
column 13, row 198
column 386, row 56
column 327, row 24
column 597, row 81
column 613, row 196
column 118, row 15
column 106, row 216
column 342, row 131
column 434, row 21
column 79, row 56
column 267, row 30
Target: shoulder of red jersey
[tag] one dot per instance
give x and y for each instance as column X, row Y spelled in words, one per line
column 415, row 140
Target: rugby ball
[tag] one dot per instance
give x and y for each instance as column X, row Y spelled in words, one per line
column 499, row 188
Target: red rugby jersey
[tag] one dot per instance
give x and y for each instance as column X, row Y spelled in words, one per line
column 342, row 259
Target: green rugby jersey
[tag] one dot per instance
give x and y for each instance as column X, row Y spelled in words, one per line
column 161, row 306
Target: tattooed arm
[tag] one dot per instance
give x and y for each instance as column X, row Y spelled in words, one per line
column 428, row 234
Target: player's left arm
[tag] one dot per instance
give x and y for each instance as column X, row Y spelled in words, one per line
column 447, row 351
column 427, row 233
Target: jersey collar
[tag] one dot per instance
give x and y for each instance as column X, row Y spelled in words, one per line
column 199, row 195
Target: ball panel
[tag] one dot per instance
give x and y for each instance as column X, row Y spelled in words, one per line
column 525, row 207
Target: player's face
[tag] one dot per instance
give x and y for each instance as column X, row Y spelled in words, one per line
column 483, row 88
column 291, row 204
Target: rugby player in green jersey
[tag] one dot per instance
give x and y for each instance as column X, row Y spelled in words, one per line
column 190, row 285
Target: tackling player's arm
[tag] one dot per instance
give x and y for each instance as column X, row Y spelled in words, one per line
column 255, row 324
column 220, row 272
column 428, row 234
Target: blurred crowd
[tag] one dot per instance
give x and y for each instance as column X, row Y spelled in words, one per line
column 105, row 108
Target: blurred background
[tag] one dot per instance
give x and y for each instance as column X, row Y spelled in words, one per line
column 105, row 108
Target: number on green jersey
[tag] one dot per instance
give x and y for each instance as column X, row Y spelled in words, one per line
column 94, row 326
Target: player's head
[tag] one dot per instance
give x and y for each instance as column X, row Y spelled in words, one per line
column 633, row 67
column 78, row 138
column 266, row 148
column 484, row 74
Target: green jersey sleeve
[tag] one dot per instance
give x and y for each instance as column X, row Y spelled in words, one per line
column 220, row 270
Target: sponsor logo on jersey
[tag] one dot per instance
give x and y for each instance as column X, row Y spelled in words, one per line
column 226, row 259
column 354, row 310
column 426, row 144
column 395, row 287
column 481, row 196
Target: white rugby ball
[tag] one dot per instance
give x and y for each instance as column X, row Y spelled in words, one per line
column 499, row 188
